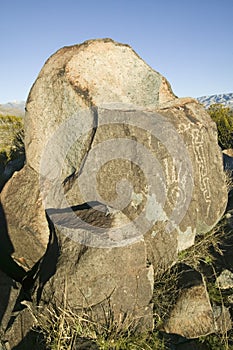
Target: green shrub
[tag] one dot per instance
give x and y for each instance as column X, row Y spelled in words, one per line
column 223, row 117
column 11, row 143
column 215, row 342
column 11, row 136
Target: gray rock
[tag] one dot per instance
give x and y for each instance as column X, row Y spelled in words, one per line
column 90, row 74
column 192, row 315
column 19, row 335
column 74, row 80
column 109, row 282
column 25, row 215
column 225, row 280
column 103, row 128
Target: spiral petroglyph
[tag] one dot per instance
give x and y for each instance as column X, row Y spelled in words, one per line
column 137, row 189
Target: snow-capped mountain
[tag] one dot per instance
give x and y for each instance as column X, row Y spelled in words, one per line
column 225, row 99
column 17, row 107
column 13, row 108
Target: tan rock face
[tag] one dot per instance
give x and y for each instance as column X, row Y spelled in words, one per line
column 93, row 73
column 103, row 127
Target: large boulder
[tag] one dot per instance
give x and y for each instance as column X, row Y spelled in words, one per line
column 81, row 76
column 128, row 174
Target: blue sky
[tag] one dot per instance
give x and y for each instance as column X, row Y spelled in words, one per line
column 188, row 41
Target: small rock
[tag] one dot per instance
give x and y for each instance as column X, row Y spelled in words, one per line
column 230, row 298
column 192, row 315
column 222, row 319
column 225, row 280
column 228, row 152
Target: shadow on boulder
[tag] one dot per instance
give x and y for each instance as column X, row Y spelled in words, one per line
column 33, row 340
column 11, row 270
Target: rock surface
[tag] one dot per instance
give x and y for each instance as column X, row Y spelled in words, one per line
column 98, row 109
column 192, row 315
column 225, row 280
column 27, row 225
column 81, row 76
column 116, row 278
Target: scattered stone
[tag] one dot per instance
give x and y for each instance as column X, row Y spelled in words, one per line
column 228, row 152
column 192, row 315
column 225, row 280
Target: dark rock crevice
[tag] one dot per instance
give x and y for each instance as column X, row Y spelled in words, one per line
column 69, row 180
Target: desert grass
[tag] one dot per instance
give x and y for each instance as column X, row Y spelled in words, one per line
column 203, row 254
column 166, row 293
column 66, row 329
column 11, row 143
column 63, row 329
column 205, row 247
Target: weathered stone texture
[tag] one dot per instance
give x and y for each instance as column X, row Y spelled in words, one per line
column 101, row 94
column 25, row 215
column 193, row 315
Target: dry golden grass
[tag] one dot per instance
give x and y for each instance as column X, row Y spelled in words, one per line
column 64, row 329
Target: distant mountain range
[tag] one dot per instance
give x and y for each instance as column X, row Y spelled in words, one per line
column 13, row 108
column 17, row 107
column 225, row 99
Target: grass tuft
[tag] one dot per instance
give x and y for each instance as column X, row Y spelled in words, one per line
column 64, row 329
